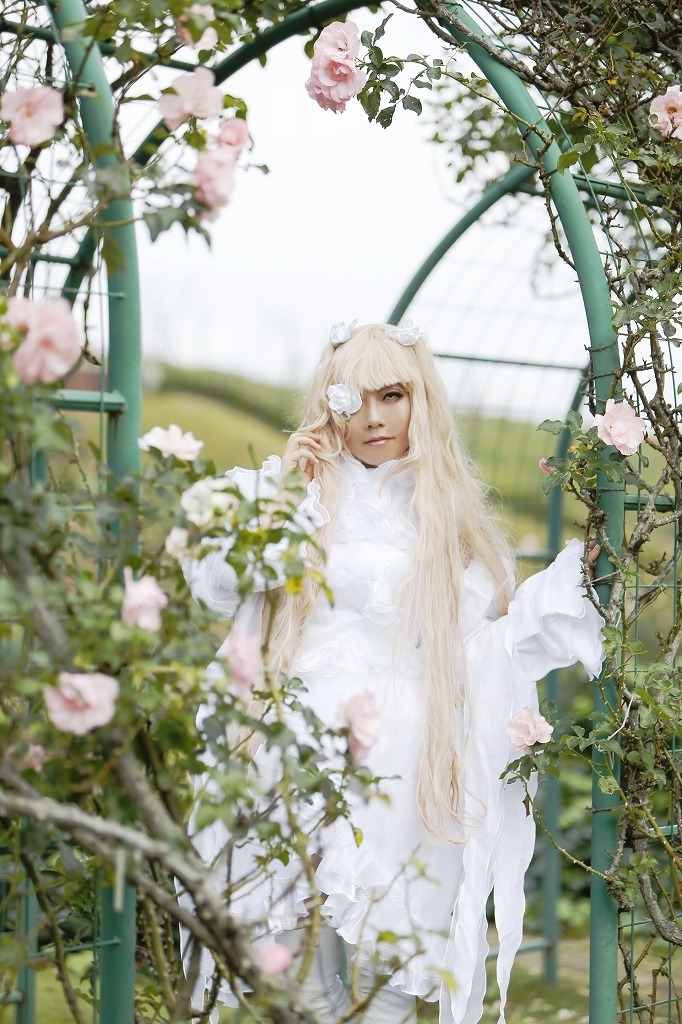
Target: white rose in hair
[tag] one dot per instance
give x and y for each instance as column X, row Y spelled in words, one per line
column 344, row 400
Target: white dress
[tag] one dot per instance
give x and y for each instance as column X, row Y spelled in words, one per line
column 397, row 890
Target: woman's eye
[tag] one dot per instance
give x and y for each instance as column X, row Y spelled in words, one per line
column 393, row 395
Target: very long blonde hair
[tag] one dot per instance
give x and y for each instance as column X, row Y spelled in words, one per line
column 455, row 525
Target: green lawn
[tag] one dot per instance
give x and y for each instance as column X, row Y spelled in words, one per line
column 530, row 1000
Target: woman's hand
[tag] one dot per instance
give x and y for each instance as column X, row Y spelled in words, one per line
column 593, row 550
column 300, row 454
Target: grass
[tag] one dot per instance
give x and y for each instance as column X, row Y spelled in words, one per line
column 530, row 1001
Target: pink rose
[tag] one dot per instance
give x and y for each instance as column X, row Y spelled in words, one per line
column 233, row 133
column 338, row 41
column 171, row 442
column 214, row 176
column 528, row 727
column 364, row 723
column 194, row 95
column 81, row 701
column 51, row 343
column 545, row 467
column 34, row 758
column 208, row 38
column 333, row 82
column 35, row 113
column 21, row 313
column 243, row 658
column 142, row 602
column 621, row 426
column 666, row 112
column 274, row 958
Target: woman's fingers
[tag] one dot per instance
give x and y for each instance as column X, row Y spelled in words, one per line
column 300, row 453
column 593, row 550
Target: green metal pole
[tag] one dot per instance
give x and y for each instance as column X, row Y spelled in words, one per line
column 26, row 981
column 124, row 375
column 116, row 224
column 117, row 980
column 551, row 883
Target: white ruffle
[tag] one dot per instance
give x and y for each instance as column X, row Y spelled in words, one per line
column 438, row 909
column 551, row 622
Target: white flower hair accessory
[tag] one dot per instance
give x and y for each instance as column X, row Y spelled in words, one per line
column 344, row 400
column 406, row 333
column 338, row 333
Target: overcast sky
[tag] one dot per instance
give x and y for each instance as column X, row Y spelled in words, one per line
column 335, row 231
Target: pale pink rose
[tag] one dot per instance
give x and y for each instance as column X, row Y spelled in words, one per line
column 35, row 757
column 21, row 313
column 233, row 133
column 545, row 467
column 621, row 426
column 333, row 82
column 274, row 958
column 171, row 442
column 214, row 176
column 35, row 113
column 364, row 723
column 528, row 727
column 208, row 38
column 338, row 41
column 52, row 342
column 194, row 95
column 81, row 702
column 243, row 657
column 666, row 112
column 142, row 602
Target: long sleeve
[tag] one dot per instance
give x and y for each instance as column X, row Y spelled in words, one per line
column 551, row 624
column 211, row 579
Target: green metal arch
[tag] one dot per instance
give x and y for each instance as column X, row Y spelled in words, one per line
column 594, row 289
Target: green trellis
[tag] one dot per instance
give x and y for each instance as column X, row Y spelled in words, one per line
column 120, row 397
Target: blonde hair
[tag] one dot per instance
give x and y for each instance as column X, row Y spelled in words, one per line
column 455, row 525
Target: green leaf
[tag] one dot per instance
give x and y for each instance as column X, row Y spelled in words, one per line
column 552, row 426
column 567, row 159
column 412, row 103
column 574, row 421
column 385, row 117
column 389, row 86
column 607, row 785
column 370, row 98
column 378, row 33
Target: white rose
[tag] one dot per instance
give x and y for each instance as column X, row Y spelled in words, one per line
column 344, row 400
column 176, row 543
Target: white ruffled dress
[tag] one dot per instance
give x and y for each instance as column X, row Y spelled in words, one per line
column 397, row 882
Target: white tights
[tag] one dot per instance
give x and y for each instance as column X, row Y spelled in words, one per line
column 323, row 992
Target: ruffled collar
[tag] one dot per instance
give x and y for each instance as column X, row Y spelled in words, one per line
column 369, row 476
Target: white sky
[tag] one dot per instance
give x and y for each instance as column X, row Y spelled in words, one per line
column 335, row 231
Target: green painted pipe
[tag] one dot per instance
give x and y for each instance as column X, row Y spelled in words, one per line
column 124, row 361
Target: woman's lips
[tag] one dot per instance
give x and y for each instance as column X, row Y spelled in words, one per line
column 375, row 442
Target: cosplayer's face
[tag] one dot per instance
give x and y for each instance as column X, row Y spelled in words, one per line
column 378, row 431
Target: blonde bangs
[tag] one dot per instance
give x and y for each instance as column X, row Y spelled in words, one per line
column 370, row 361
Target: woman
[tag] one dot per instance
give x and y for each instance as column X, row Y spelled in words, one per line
column 424, row 630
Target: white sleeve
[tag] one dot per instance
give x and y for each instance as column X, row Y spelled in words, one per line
column 551, row 623
column 211, row 579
